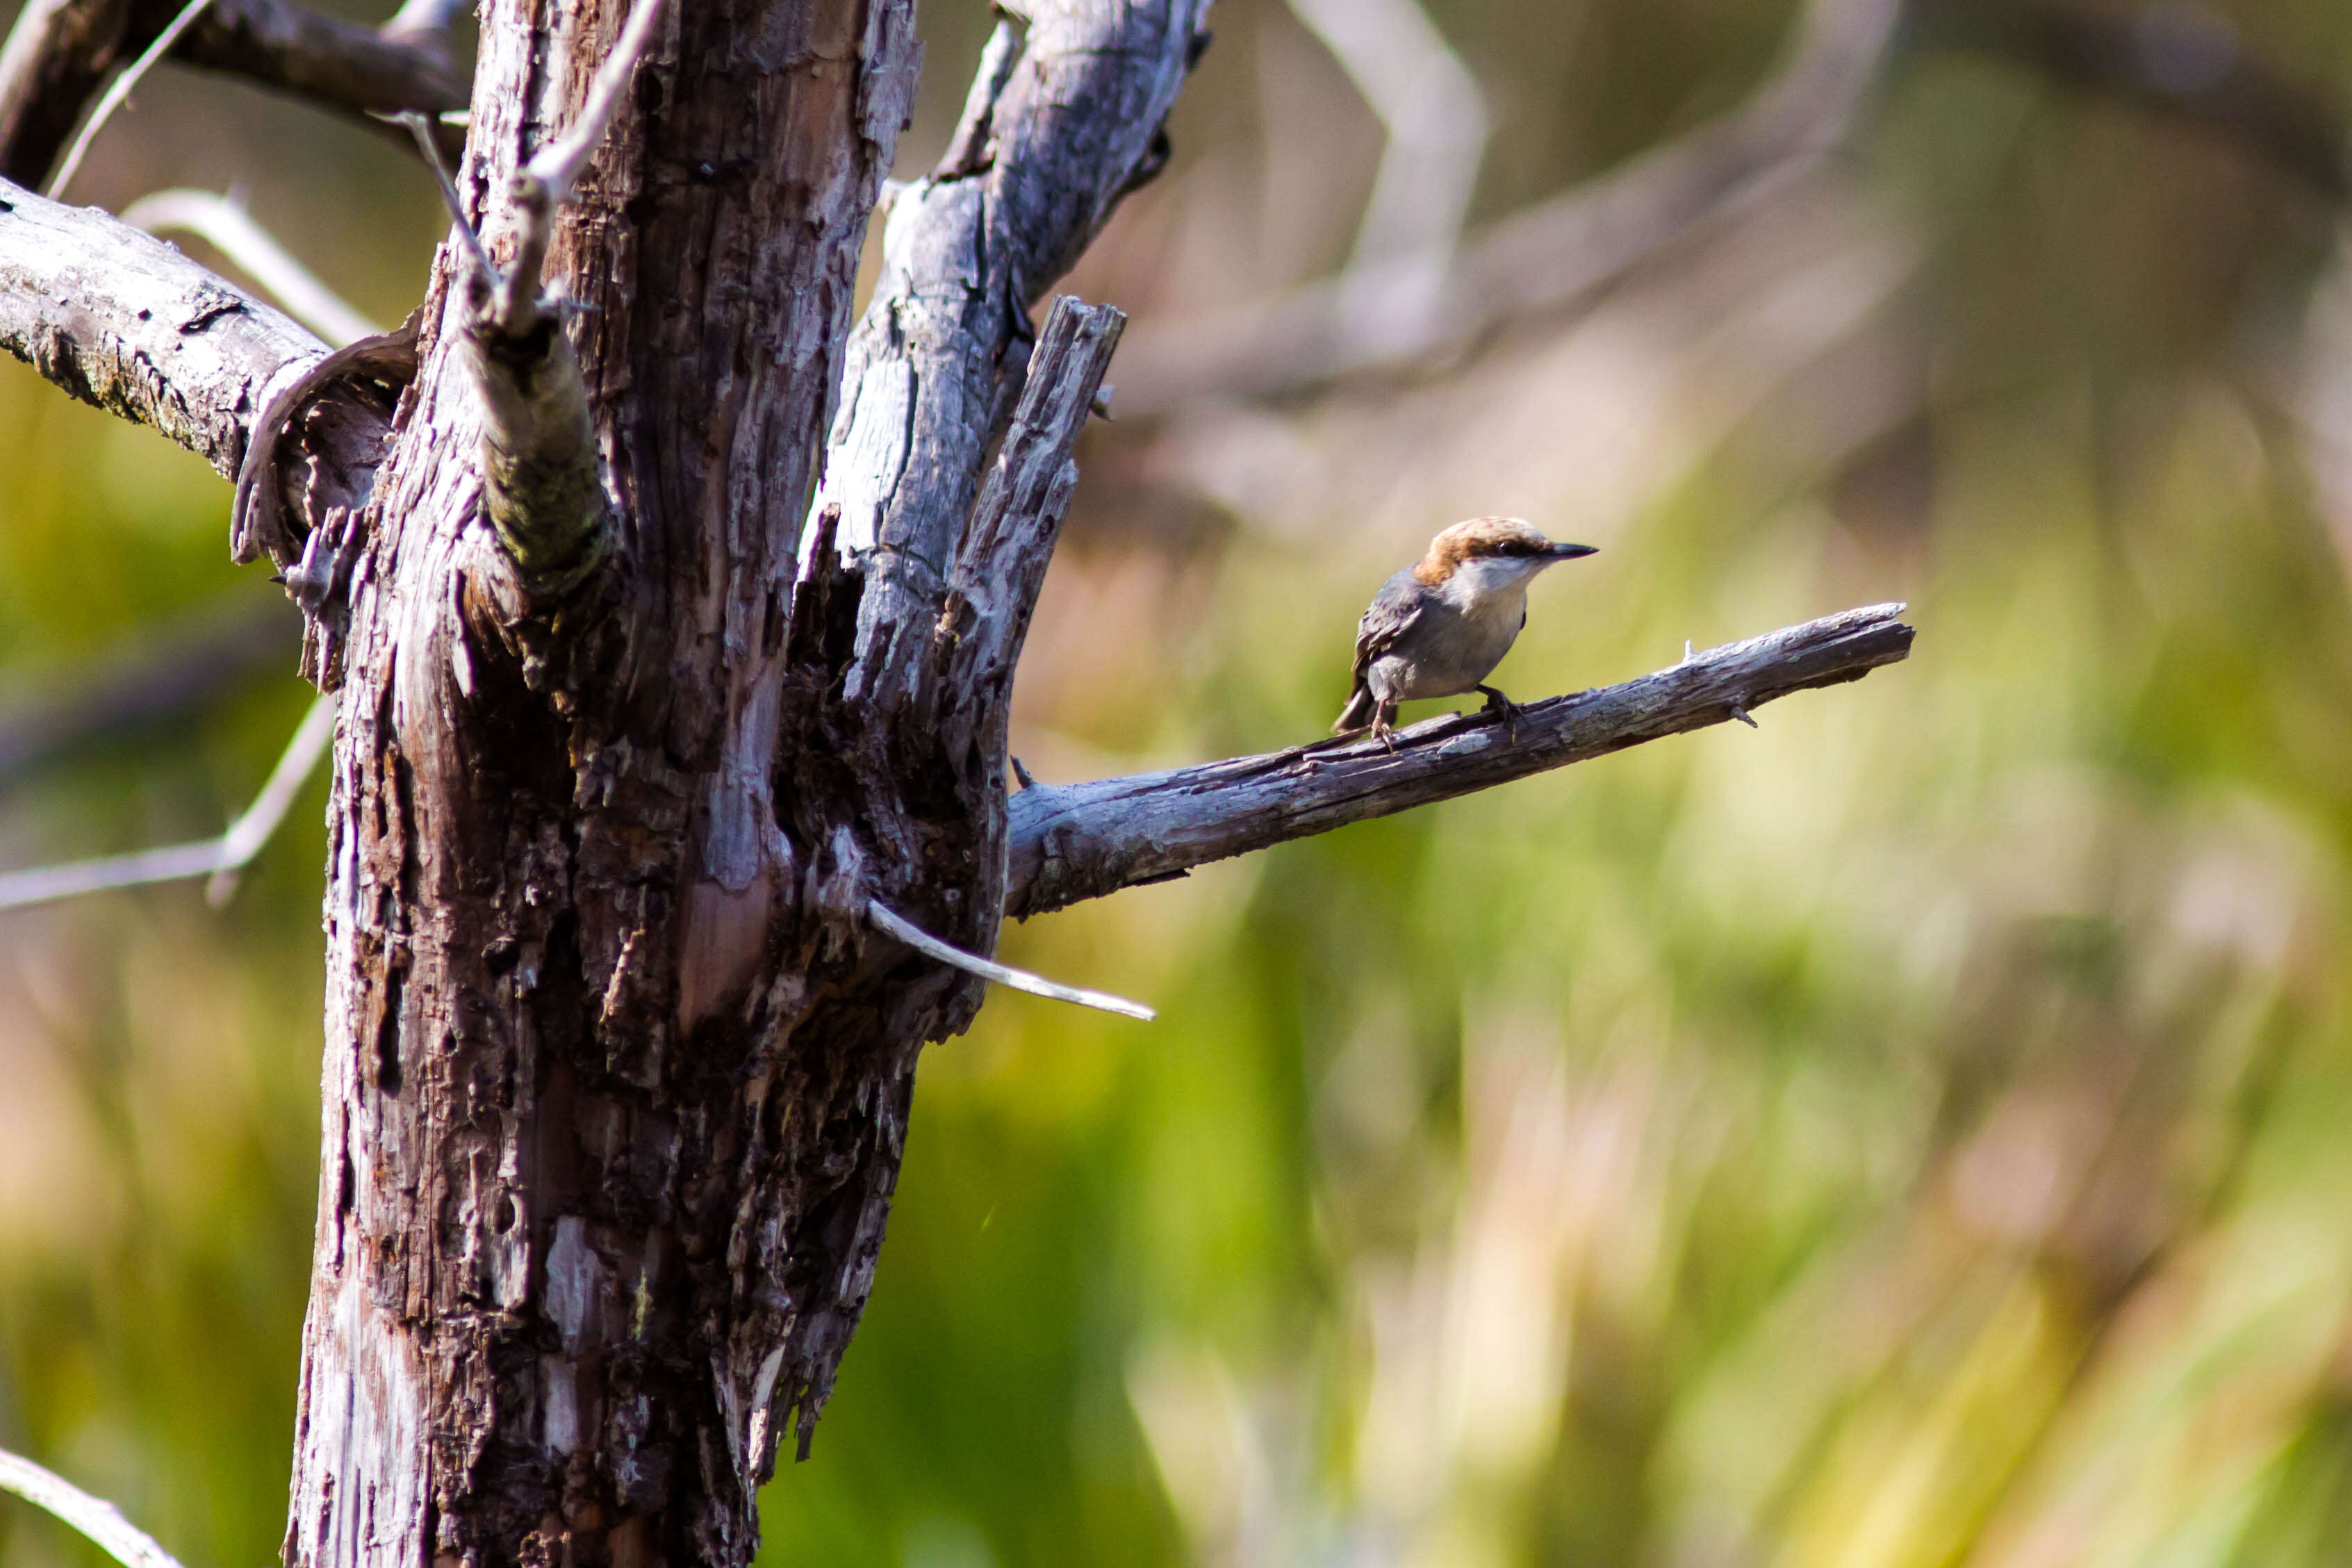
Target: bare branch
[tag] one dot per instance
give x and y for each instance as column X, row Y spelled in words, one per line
column 359, row 72
column 930, row 947
column 1540, row 258
column 1015, row 525
column 60, row 50
column 1436, row 124
column 231, row 230
column 1055, row 132
column 1089, row 840
column 122, row 320
column 95, row 1517
column 220, row 859
column 118, row 93
column 1017, row 521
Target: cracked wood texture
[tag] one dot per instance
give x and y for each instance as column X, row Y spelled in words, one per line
column 616, row 1075
column 1083, row 840
column 126, row 323
column 1065, row 115
column 601, row 1178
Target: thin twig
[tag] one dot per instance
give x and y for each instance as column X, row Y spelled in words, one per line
column 94, row 1516
column 119, row 318
column 221, row 858
column 120, row 92
column 430, row 151
column 923, row 942
column 230, row 229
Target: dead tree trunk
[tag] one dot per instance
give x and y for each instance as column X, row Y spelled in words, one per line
column 643, row 716
column 617, row 1076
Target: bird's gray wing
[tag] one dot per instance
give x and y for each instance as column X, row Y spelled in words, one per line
column 1395, row 607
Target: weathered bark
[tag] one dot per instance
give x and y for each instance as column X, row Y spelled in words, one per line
column 600, row 1192
column 1064, row 117
column 122, row 320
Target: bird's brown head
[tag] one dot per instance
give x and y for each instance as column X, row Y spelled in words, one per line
column 1492, row 538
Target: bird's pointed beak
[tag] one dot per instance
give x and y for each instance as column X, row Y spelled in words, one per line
column 1569, row 552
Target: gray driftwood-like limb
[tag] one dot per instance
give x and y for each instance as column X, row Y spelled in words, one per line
column 60, row 51
column 95, row 1517
column 964, row 686
column 122, row 320
column 930, row 947
column 1017, row 521
column 1539, row 259
column 1064, row 117
column 1080, row 841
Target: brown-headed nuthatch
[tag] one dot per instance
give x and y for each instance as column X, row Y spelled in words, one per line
column 1437, row 628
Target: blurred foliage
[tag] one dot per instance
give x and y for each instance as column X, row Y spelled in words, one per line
column 1909, row 1134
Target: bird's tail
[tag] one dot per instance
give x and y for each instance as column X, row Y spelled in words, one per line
column 1357, row 713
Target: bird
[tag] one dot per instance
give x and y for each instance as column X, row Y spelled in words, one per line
column 1439, row 627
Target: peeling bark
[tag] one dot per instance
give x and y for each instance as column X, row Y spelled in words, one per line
column 1064, row 117
column 124, row 322
column 611, row 1118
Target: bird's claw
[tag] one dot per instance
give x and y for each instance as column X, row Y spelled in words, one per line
column 1503, row 708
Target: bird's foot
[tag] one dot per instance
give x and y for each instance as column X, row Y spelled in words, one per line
column 1385, row 732
column 1508, row 710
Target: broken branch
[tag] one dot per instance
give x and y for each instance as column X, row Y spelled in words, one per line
column 541, row 487
column 1059, row 124
column 1085, row 841
column 122, row 320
